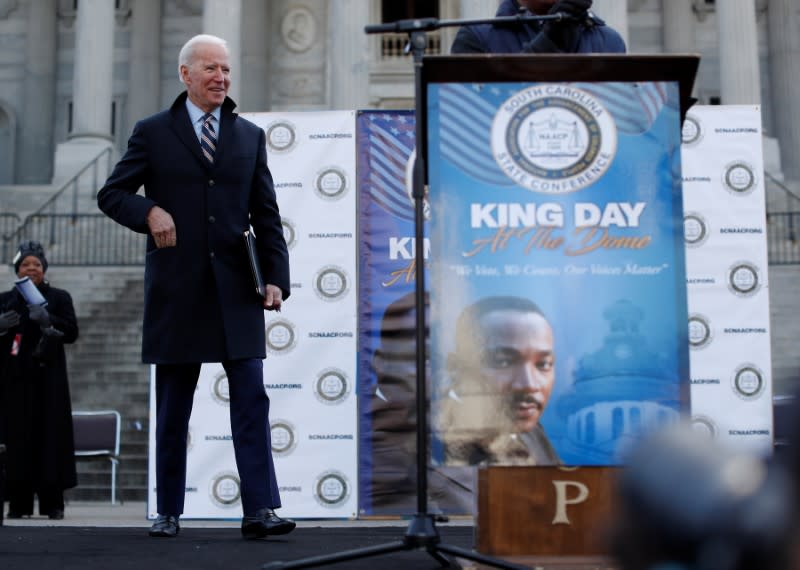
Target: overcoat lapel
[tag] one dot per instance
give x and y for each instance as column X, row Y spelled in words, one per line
column 182, row 126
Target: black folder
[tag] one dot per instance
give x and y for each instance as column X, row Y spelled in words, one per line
column 255, row 268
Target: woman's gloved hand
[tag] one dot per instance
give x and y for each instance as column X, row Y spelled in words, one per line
column 8, row 319
column 39, row 315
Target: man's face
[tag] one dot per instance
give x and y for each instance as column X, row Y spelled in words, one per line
column 208, row 76
column 519, row 362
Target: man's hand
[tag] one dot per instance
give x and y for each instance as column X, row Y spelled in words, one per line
column 8, row 319
column 162, row 227
column 273, row 298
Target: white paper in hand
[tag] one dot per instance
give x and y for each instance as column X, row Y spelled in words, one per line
column 29, row 292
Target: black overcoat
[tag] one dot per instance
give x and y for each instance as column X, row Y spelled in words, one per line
column 200, row 301
column 35, row 408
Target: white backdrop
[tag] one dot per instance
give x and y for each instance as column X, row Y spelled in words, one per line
column 310, row 370
column 726, row 267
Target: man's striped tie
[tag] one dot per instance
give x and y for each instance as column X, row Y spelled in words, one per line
column 208, row 138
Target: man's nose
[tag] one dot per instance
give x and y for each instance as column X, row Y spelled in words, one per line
column 527, row 377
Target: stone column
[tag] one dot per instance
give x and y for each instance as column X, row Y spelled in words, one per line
column 94, row 59
column 348, row 54
column 255, row 78
column 35, row 156
column 615, row 14
column 784, row 58
column 223, row 18
column 678, row 26
column 740, row 82
column 144, row 84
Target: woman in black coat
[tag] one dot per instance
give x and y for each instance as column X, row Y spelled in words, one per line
column 35, row 409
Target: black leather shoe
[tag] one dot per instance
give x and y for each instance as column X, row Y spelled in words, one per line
column 166, row 526
column 266, row 523
column 56, row 514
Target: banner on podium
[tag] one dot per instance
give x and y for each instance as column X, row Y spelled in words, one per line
column 558, row 296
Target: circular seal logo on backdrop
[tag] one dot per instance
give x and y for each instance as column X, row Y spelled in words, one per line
column 282, row 434
column 692, row 131
column 695, row 229
column 289, row 232
column 281, row 337
column 699, row 331
column 331, row 489
column 225, row 489
column 332, row 386
column 739, row 178
column 743, row 279
column 219, row 388
column 331, row 183
column 553, row 139
column 704, row 425
column 331, row 283
column 281, row 136
column 748, row 382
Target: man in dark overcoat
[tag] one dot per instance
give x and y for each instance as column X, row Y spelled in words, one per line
column 206, row 181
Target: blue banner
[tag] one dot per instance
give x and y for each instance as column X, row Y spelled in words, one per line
column 386, row 358
column 558, row 292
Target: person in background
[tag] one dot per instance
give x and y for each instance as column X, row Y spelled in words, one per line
column 35, row 408
column 206, row 181
column 580, row 32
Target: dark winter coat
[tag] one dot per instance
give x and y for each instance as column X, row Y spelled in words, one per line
column 595, row 37
column 200, row 302
column 35, row 408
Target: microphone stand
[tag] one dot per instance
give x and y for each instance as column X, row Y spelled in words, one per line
column 421, row 532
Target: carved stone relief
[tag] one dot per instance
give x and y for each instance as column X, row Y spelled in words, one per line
column 298, row 29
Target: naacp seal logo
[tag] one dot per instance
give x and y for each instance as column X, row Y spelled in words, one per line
column 331, row 183
column 692, row 131
column 289, row 232
column 281, row 337
column 219, row 388
column 331, row 489
column 331, row 283
column 699, row 331
column 704, row 425
column 748, row 382
column 225, row 490
column 695, row 229
column 332, row 386
column 739, row 178
column 281, row 136
column 282, row 435
column 743, row 279
column 553, row 139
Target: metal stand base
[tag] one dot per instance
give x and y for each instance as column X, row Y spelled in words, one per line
column 420, row 535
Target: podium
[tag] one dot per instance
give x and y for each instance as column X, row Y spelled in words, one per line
column 532, row 161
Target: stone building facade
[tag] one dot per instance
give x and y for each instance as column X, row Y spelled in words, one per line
column 76, row 74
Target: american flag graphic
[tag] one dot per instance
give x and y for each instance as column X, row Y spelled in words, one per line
column 391, row 139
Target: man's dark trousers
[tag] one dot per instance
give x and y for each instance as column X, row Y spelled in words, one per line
column 249, row 406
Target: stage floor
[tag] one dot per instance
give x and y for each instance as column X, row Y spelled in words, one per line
column 98, row 536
